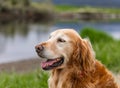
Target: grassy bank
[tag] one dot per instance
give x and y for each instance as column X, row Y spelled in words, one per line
column 34, row 11
column 43, row 6
column 68, row 8
column 107, row 51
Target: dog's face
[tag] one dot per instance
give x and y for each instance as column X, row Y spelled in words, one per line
column 58, row 49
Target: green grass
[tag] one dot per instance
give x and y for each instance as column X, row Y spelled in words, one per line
column 64, row 8
column 106, row 48
column 96, row 36
column 68, row 8
column 36, row 79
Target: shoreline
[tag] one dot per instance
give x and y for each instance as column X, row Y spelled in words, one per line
column 35, row 15
column 21, row 66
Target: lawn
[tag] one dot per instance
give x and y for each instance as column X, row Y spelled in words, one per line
column 35, row 79
column 107, row 51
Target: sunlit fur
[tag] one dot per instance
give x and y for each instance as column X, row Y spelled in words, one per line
column 80, row 68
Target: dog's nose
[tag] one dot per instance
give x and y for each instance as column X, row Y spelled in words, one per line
column 39, row 48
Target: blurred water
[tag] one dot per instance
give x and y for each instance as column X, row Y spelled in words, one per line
column 17, row 40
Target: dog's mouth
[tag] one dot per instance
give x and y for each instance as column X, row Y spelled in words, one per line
column 52, row 63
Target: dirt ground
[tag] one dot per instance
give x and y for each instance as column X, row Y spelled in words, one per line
column 21, row 66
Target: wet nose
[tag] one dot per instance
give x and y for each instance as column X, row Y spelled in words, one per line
column 39, row 48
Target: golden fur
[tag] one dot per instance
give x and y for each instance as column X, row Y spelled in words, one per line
column 80, row 68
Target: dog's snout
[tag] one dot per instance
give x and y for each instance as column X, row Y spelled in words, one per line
column 39, row 48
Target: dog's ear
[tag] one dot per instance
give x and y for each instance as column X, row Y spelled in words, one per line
column 85, row 55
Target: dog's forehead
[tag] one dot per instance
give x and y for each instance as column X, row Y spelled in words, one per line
column 66, row 33
column 59, row 34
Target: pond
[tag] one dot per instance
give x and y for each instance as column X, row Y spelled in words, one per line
column 17, row 40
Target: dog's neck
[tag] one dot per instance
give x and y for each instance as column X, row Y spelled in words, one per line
column 58, row 76
column 77, row 72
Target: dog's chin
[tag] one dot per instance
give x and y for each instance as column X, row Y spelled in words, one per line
column 50, row 64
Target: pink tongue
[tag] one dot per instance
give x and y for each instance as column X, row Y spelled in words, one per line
column 47, row 63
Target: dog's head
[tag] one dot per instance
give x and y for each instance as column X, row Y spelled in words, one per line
column 65, row 47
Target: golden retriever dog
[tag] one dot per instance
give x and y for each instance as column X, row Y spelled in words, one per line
column 72, row 62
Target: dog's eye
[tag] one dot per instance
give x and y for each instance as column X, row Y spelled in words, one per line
column 60, row 40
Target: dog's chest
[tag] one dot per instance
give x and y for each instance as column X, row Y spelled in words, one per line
column 57, row 81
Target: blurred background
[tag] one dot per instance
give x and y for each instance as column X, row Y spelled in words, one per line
column 25, row 23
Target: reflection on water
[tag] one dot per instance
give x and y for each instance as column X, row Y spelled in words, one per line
column 17, row 40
